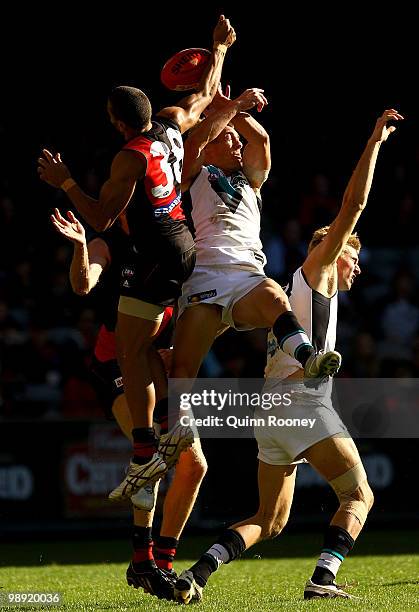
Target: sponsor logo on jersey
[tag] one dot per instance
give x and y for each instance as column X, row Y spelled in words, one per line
column 119, row 382
column 166, row 210
column 199, row 297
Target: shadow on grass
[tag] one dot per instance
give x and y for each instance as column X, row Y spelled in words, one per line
column 38, row 553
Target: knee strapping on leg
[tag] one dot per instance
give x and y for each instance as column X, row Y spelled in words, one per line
column 353, row 492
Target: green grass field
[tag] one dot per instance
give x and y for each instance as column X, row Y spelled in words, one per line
column 270, row 577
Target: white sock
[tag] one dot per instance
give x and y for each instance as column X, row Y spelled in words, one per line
column 294, row 342
column 329, row 562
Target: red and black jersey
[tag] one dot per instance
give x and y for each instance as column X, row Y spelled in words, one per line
column 155, row 215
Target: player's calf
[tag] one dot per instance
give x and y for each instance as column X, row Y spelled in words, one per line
column 356, row 499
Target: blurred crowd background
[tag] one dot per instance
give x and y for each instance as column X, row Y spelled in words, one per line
column 47, row 333
column 324, row 94
column 328, row 74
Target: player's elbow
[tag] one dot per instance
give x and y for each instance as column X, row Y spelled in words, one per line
column 260, row 138
column 264, row 137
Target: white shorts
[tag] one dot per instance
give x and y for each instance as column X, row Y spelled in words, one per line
column 281, row 443
column 222, row 285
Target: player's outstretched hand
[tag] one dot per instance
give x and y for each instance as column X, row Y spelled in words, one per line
column 72, row 229
column 51, row 169
column 382, row 131
column 252, row 97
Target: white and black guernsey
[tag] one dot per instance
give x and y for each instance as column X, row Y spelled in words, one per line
column 316, row 313
column 226, row 219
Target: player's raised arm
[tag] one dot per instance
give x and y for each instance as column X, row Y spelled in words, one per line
column 257, row 151
column 190, row 108
column 89, row 260
column 114, row 196
column 355, row 196
column 212, row 126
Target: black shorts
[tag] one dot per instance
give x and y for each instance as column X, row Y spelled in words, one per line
column 157, row 282
column 106, row 379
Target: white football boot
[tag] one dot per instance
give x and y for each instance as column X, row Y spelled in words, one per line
column 178, row 439
column 139, row 476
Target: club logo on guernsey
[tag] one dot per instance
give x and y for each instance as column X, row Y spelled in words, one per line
column 199, row 297
column 238, row 180
column 118, row 382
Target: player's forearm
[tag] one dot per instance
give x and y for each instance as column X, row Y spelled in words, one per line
column 90, row 209
column 358, row 189
column 79, row 269
column 214, row 124
column 210, row 79
column 250, row 129
column 257, row 152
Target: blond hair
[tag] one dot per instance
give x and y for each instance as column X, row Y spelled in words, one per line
column 319, row 235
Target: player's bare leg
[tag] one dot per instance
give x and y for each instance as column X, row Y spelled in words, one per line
column 179, row 502
column 142, row 571
column 338, row 461
column 276, row 491
column 183, row 491
column 195, row 332
column 149, row 568
column 122, row 415
column 144, row 498
column 134, row 336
